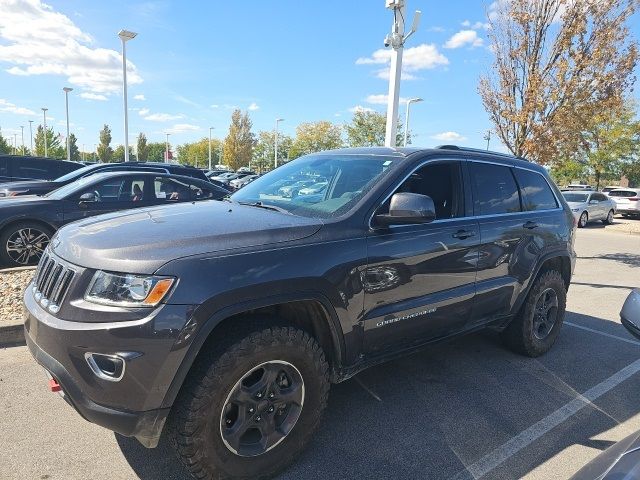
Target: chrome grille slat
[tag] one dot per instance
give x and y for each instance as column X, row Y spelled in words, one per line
column 51, row 282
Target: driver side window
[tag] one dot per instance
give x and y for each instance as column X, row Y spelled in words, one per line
column 120, row 189
column 442, row 181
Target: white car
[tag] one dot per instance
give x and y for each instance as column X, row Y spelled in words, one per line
column 316, row 188
column 627, row 201
column 590, row 206
column 579, row 186
column 609, row 188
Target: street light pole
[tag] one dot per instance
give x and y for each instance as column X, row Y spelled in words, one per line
column 15, row 143
column 210, row 128
column 31, row 136
column 487, row 137
column 66, row 103
column 44, row 116
column 406, row 120
column 166, row 150
column 396, row 40
column 83, row 152
column 275, row 144
column 125, row 36
column 22, row 133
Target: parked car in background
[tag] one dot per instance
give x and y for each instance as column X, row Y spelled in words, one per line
column 314, row 189
column 578, row 186
column 241, row 182
column 15, row 168
column 39, row 187
column 627, row 201
column 28, row 222
column 609, row 188
column 224, row 324
column 217, row 171
column 227, row 177
column 590, row 206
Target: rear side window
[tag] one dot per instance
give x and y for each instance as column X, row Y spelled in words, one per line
column 598, row 196
column 495, row 189
column 34, row 168
column 536, row 193
column 623, row 193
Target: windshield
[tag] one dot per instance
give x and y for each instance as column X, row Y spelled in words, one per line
column 576, row 197
column 75, row 174
column 318, row 186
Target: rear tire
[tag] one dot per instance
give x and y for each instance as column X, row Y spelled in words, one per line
column 526, row 334
column 233, row 390
column 609, row 219
column 23, row 243
column 583, row 220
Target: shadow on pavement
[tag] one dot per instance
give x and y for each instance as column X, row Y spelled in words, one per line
column 603, row 285
column 625, row 258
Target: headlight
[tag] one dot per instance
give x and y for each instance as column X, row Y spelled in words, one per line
column 127, row 290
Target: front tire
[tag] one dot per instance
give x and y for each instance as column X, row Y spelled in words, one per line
column 609, row 219
column 23, row 244
column 535, row 329
column 584, row 219
column 249, row 410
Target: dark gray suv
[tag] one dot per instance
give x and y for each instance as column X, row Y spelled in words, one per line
column 222, row 324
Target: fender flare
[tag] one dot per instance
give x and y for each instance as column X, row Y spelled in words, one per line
column 211, row 321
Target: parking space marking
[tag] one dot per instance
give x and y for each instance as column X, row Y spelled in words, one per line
column 367, row 389
column 593, row 330
column 498, row 456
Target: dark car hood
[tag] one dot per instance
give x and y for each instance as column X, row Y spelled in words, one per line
column 31, row 186
column 24, row 201
column 141, row 241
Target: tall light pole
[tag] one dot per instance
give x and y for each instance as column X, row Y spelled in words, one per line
column 83, row 152
column 210, row 128
column 166, row 149
column 44, row 116
column 22, row 133
column 406, row 118
column 396, row 40
column 15, row 143
column 66, row 105
column 487, row 137
column 31, row 136
column 125, row 36
column 275, row 144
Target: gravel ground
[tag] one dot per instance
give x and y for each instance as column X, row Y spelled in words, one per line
column 12, row 284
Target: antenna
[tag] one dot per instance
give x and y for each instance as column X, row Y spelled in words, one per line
column 414, row 25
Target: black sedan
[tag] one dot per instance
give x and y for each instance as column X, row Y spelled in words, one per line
column 28, row 222
column 40, row 187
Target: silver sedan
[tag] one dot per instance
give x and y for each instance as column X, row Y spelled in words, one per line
column 590, row 207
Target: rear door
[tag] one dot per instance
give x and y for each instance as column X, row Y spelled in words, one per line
column 419, row 282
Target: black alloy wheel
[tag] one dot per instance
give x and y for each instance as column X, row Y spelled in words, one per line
column 545, row 313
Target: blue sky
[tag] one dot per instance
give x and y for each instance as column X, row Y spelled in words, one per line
column 193, row 62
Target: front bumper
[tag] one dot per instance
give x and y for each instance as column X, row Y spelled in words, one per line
column 133, row 406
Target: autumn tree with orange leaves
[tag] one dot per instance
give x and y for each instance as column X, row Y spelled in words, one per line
column 558, row 63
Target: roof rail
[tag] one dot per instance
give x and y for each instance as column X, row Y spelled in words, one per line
column 479, row 150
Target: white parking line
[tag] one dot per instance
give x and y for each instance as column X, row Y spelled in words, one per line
column 495, row 458
column 622, row 339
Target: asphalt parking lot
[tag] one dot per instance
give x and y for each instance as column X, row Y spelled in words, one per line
column 466, row 409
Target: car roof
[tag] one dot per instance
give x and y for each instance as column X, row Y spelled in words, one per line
column 626, row 188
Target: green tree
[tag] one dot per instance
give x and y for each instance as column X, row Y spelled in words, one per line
column 118, row 154
column 197, row 153
column 367, row 129
column 264, row 151
column 4, row 145
column 142, row 148
column 54, row 148
column 156, row 152
column 105, row 152
column 314, row 137
column 73, row 146
column 239, row 142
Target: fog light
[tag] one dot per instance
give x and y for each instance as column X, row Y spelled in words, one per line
column 106, row 367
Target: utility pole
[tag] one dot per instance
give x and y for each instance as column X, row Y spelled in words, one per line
column 66, row 104
column 22, row 133
column 166, row 149
column 275, row 144
column 487, row 137
column 31, row 136
column 210, row 128
column 44, row 116
column 83, row 152
column 396, row 40
column 406, row 120
column 125, row 36
column 15, row 143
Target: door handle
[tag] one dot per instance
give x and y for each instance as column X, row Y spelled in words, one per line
column 530, row 225
column 462, row 234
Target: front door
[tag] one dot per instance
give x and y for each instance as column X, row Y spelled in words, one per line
column 419, row 281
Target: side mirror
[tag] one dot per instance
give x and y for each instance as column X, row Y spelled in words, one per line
column 88, row 197
column 408, row 208
column 630, row 314
column 593, row 202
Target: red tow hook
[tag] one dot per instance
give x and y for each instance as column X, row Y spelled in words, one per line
column 54, row 386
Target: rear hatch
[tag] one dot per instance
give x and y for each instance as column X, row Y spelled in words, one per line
column 625, row 198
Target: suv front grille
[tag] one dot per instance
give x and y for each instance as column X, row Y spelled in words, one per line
column 51, row 283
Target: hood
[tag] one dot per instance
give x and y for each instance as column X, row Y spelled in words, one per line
column 141, row 241
column 29, row 187
column 24, row 201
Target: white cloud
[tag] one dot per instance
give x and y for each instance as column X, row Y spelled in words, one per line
column 143, row 112
column 93, row 96
column 161, row 117
column 253, row 107
column 215, row 105
column 37, row 40
column 337, row 114
column 139, row 97
column 464, row 37
column 12, row 108
column 436, row 29
column 381, row 99
column 481, row 25
column 182, row 128
column 422, row 57
column 360, row 108
column 449, row 137
column 466, row 23
column 186, row 100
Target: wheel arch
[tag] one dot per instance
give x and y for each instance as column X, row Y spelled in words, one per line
column 311, row 312
column 15, row 220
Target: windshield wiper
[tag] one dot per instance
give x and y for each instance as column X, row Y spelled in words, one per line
column 267, row 206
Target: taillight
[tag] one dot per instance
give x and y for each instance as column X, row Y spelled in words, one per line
column 634, row 199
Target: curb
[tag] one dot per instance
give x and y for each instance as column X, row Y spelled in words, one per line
column 18, row 269
column 12, row 335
